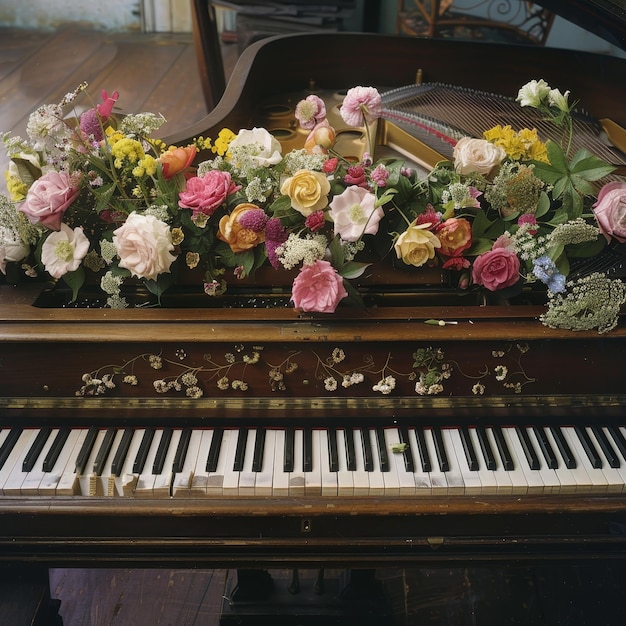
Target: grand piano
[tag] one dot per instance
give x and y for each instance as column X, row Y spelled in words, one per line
column 279, row 471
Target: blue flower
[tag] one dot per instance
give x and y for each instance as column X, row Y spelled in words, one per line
column 546, row 271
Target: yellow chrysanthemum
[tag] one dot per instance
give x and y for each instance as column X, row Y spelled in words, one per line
column 129, row 150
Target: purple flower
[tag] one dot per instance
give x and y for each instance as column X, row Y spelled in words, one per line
column 379, row 175
column 254, row 220
column 275, row 236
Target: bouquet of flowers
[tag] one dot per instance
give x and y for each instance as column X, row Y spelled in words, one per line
column 97, row 195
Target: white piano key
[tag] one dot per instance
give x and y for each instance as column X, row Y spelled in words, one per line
column 345, row 481
column 32, row 480
column 592, row 480
column 457, row 458
column 106, row 480
column 364, row 483
column 438, row 478
column 403, row 479
column 564, row 474
column 12, row 476
column 614, row 478
column 524, row 479
column 200, row 475
column 247, row 478
column 504, row 483
column 163, row 481
column 62, row 479
column 385, row 481
column 488, row 480
column 328, row 478
column 621, row 470
column 313, row 479
column 182, row 481
column 230, row 485
column 422, row 479
column 264, row 478
column 454, row 476
column 551, row 482
column 124, row 484
column 215, row 480
column 280, row 485
column 145, row 480
column 296, row 478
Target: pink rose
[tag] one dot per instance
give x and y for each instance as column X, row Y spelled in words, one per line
column 205, row 194
column 610, row 210
column 48, row 199
column 498, row 268
column 318, row 288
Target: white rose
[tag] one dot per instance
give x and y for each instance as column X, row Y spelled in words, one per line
column 12, row 249
column 144, row 246
column 63, row 250
column 476, row 156
column 260, row 146
column 533, row 93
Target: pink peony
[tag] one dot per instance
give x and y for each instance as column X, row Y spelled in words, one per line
column 610, row 210
column 206, row 194
column 498, row 268
column 318, row 288
column 361, row 105
column 48, row 199
column 355, row 214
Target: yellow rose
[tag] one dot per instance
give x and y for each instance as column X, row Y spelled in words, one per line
column 307, row 190
column 416, row 245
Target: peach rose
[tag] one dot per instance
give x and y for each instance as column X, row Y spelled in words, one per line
column 177, row 160
column 144, row 245
column 476, row 156
column 244, row 228
column 455, row 235
column 307, row 190
column 320, row 139
column 610, row 210
column 416, row 245
column 318, row 288
column 48, row 199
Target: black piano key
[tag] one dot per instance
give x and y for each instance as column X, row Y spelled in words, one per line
column 85, row 450
column 561, row 443
column 164, row 444
column 529, row 450
column 142, row 454
column 368, row 454
column 350, row 451
column 259, row 450
column 605, row 445
column 333, row 455
column 590, row 449
column 103, row 452
column 55, row 449
column 8, row 444
column 409, row 462
column 288, row 457
column 122, row 452
column 616, row 435
column 503, row 449
column 383, row 456
column 214, row 449
column 307, row 450
column 240, row 451
column 440, row 450
column 485, row 447
column 35, row 449
column 546, row 448
column 181, row 450
column 425, row 461
column 468, row 448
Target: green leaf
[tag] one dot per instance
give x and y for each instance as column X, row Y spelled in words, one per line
column 75, row 280
column 28, row 172
column 160, row 285
column 591, row 168
column 557, row 157
column 352, row 269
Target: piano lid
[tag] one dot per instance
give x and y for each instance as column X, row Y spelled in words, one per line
column 604, row 18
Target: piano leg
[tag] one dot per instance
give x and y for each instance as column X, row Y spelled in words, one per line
column 253, row 585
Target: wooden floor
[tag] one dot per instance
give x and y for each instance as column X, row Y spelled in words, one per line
column 159, row 73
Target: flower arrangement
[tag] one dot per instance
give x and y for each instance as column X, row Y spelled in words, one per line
column 94, row 194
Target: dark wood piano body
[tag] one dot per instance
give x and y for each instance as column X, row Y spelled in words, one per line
column 564, row 377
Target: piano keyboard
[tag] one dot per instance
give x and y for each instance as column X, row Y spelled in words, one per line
column 228, row 462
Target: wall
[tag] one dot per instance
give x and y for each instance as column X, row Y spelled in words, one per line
column 115, row 15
